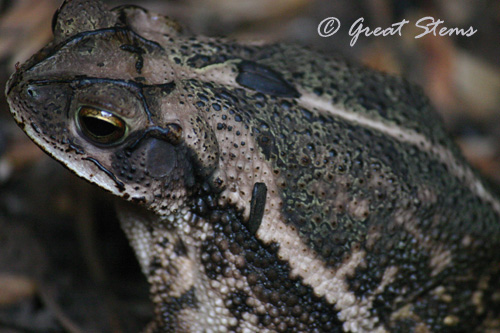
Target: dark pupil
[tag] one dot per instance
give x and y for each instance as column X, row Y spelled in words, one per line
column 98, row 127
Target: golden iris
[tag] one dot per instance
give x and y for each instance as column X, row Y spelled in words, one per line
column 101, row 126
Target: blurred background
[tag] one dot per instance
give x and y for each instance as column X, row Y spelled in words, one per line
column 65, row 264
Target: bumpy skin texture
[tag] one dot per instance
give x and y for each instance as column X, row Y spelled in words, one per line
column 266, row 188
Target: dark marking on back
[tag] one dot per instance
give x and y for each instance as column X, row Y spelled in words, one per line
column 257, row 206
column 265, row 80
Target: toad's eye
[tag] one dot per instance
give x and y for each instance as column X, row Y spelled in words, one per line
column 100, row 126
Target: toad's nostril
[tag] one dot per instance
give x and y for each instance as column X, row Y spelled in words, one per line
column 31, row 92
